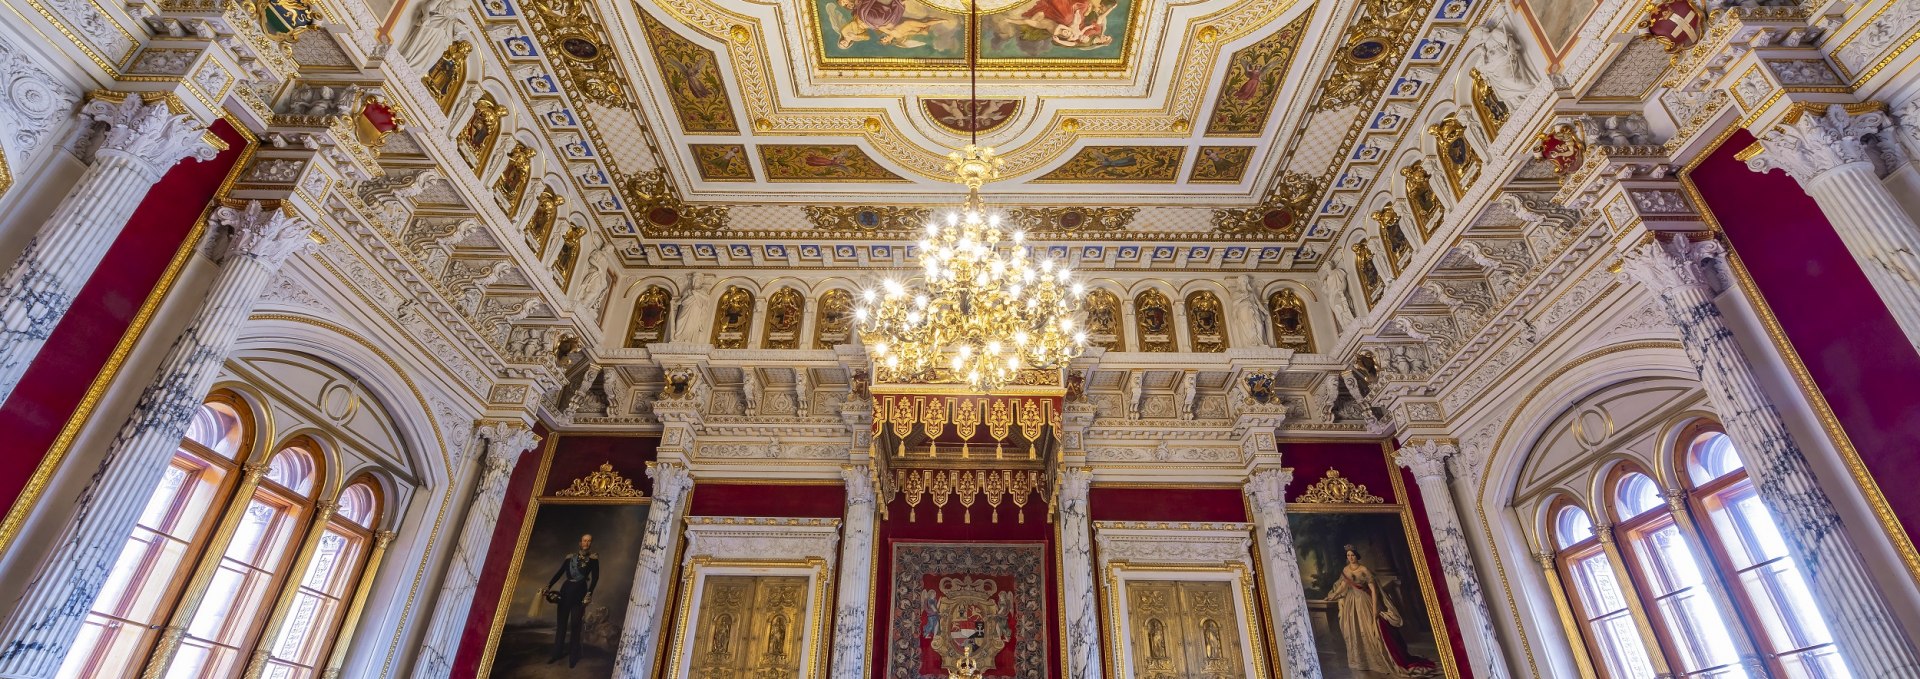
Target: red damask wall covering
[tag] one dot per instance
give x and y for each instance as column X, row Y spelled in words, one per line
column 60, row 375
column 1852, row 348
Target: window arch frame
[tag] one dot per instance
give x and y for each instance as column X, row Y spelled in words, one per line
column 1701, row 496
column 324, row 648
column 1634, row 542
column 195, row 547
column 1569, row 555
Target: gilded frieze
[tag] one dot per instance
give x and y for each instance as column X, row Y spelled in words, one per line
column 878, row 219
column 968, row 116
column 1457, row 156
column 1292, row 329
column 1421, row 198
column 786, row 310
column 732, row 318
column 570, row 32
column 1283, row 216
column 834, row 325
column 692, row 76
column 1367, row 55
column 1253, row 79
column 1120, row 164
column 822, row 163
column 663, row 213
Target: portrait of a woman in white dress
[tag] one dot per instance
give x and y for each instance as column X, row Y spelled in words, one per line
column 1369, row 623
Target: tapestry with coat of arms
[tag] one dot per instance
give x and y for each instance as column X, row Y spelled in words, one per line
column 951, row 599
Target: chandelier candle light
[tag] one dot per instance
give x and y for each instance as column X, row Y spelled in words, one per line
column 981, row 307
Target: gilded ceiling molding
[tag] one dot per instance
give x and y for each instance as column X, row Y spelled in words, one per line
column 661, row 211
column 1373, row 48
column 1283, row 216
column 570, row 31
column 899, row 220
column 1192, row 78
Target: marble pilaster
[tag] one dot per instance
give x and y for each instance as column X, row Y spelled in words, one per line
column 1687, row 278
column 250, row 245
column 1429, row 464
column 504, row 443
column 1286, row 595
column 850, row 639
column 641, row 639
column 1838, row 157
column 1082, row 619
column 133, row 146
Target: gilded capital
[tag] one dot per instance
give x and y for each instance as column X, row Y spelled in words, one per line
column 150, row 134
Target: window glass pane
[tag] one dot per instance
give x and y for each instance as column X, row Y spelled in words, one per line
column 1572, row 526
column 1712, row 457
column 1770, row 581
column 311, row 620
column 216, row 426
column 1816, row 663
column 1599, row 591
column 138, row 592
column 293, row 469
column 1621, row 649
column 1637, row 495
column 357, row 505
column 1687, row 614
column 241, row 590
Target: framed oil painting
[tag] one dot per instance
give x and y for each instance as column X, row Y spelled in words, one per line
column 1370, row 596
column 1019, row 34
column 566, row 597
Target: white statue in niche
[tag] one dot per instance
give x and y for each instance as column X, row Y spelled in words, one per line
column 693, row 308
column 1503, row 61
column 1334, row 282
column 750, row 391
column 437, row 26
column 1253, row 322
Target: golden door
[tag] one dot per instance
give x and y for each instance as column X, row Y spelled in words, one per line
column 1184, row 630
column 750, row 627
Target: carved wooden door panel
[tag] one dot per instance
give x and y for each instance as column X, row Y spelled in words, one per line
column 750, row 627
column 1184, row 630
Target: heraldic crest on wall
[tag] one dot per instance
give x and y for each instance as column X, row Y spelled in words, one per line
column 952, row 601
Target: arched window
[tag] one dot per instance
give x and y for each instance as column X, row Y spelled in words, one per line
column 266, row 524
column 150, row 576
column 1670, row 580
column 309, row 621
column 1744, row 541
column 1599, row 601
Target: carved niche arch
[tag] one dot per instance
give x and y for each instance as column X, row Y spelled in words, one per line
column 482, row 132
column 834, row 323
column 511, row 188
column 1153, row 320
column 1394, row 237
column 652, row 315
column 1292, row 329
column 1105, row 321
column 786, row 313
column 546, row 212
column 1417, row 185
column 733, row 318
column 1206, row 322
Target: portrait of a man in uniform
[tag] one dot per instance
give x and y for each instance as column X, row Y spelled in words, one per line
column 579, row 572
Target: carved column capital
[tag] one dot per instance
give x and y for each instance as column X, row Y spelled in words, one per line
column 859, row 484
column 267, row 236
column 1075, row 484
column 1813, row 144
column 670, row 479
column 150, row 134
column 1427, row 460
column 1674, row 264
column 1268, row 488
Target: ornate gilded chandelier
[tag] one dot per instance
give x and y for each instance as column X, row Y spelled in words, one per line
column 981, row 309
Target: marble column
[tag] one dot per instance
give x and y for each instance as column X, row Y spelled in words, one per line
column 1837, row 158
column 1687, row 276
column 1429, row 464
column 856, row 572
column 1286, row 596
column 250, row 246
column 1076, row 575
column 503, row 444
column 133, row 145
column 652, row 579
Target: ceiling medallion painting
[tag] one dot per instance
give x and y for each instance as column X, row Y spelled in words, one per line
column 822, row 163
column 1145, row 164
column 1220, row 164
column 893, row 34
column 969, row 116
column 1254, row 77
column 693, row 81
column 722, row 162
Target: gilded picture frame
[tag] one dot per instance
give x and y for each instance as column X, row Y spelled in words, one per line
column 491, row 658
column 811, row 618
column 1352, row 500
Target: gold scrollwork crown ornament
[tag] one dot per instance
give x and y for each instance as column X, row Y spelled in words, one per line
column 1335, row 489
column 602, row 483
